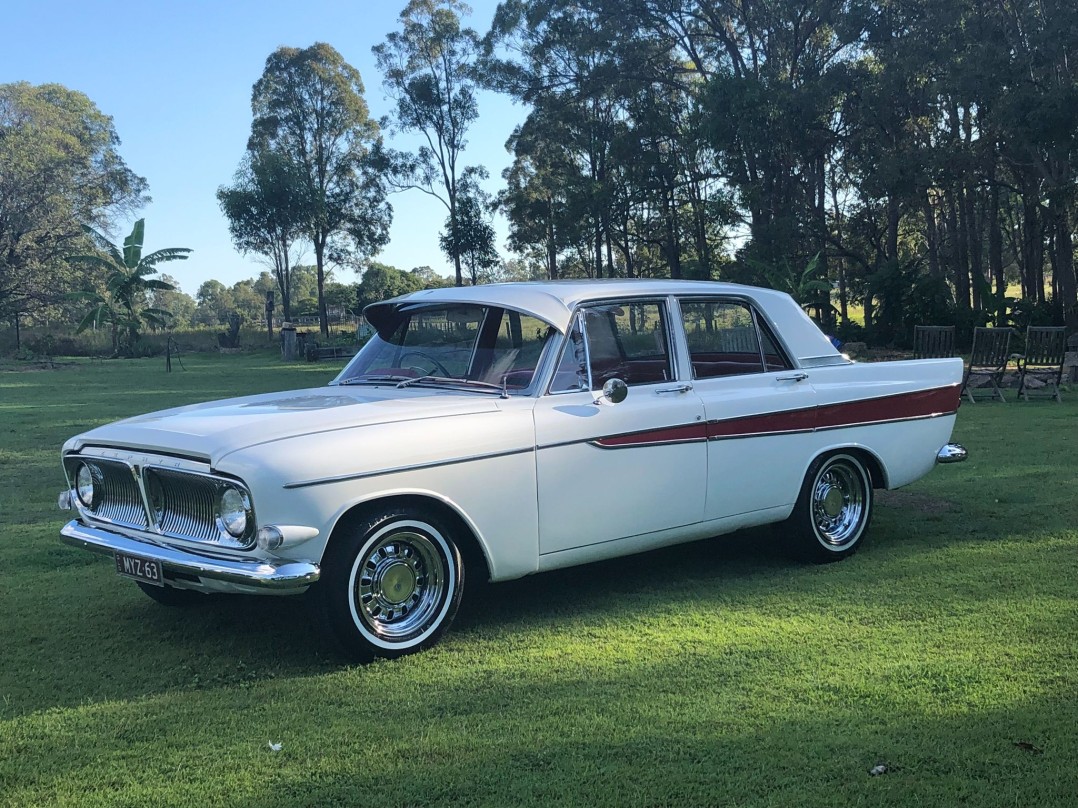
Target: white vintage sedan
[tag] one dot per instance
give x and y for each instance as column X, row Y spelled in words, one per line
column 493, row 432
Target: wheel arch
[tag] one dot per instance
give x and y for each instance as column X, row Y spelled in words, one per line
column 876, row 470
column 472, row 548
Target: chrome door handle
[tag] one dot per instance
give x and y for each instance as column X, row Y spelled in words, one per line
column 681, row 388
column 797, row 377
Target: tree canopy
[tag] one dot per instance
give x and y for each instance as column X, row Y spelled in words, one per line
column 60, row 169
column 429, row 70
column 309, row 110
column 917, row 161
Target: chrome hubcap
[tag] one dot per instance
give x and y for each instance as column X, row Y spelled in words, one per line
column 399, row 585
column 839, row 504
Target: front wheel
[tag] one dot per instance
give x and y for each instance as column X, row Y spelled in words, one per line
column 391, row 584
column 833, row 509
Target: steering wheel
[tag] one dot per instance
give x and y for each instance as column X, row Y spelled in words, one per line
column 437, row 365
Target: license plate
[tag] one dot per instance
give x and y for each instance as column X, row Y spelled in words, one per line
column 140, row 569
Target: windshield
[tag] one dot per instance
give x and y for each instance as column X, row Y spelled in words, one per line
column 459, row 345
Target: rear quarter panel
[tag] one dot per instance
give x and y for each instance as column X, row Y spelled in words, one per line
column 900, row 412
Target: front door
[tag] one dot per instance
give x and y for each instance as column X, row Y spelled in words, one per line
column 611, row 471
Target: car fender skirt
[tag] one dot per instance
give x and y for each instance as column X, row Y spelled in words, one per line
column 255, row 573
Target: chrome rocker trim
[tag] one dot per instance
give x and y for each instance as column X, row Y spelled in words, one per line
column 261, row 574
column 952, row 453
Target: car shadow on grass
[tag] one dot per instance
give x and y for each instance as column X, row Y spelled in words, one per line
column 106, row 640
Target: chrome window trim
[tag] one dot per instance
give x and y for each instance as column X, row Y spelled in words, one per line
column 665, row 307
column 760, row 322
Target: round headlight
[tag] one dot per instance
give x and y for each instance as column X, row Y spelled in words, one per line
column 234, row 510
column 84, row 485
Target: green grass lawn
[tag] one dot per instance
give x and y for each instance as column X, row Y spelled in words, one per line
column 715, row 673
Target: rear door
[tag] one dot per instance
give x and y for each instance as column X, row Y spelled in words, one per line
column 760, row 411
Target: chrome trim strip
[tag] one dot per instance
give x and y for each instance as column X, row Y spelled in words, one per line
column 362, row 475
column 774, row 432
column 853, row 424
column 140, row 483
column 262, row 574
column 642, row 445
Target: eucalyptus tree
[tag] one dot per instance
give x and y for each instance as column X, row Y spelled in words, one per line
column 428, row 69
column 560, row 58
column 381, row 282
column 60, row 169
column 469, row 237
column 1039, row 105
column 309, row 108
column 179, row 304
column 268, row 211
column 127, row 280
column 536, row 198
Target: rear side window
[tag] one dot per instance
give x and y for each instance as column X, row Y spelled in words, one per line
column 726, row 339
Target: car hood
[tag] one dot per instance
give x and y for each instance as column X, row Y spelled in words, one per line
column 215, row 429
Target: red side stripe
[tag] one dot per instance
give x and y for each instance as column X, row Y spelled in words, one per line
column 904, row 406
column 790, row 421
column 674, row 434
column 890, row 408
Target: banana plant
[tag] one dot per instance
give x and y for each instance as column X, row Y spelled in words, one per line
column 127, row 279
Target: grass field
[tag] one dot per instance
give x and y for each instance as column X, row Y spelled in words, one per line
column 716, row 673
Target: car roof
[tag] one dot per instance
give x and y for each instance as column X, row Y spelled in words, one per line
column 553, row 302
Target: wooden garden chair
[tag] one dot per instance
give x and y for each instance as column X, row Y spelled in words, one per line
column 933, row 341
column 1043, row 361
column 988, row 360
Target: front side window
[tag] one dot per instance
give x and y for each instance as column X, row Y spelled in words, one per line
column 725, row 339
column 627, row 341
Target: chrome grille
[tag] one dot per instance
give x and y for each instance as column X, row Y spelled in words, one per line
column 182, row 504
column 121, row 502
column 187, row 506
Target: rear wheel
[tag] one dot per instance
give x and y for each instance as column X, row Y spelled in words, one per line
column 833, row 509
column 391, row 584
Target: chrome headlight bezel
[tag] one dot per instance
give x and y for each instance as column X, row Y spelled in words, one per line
column 235, row 516
column 87, row 485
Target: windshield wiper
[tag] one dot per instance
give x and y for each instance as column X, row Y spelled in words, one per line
column 375, row 378
column 485, row 386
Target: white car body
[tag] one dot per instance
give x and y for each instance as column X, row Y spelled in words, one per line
column 527, row 479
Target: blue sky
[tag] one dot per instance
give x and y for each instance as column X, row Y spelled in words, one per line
column 176, row 78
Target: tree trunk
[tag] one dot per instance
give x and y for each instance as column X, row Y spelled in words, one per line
column 931, row 236
column 551, row 244
column 673, row 252
column 995, row 249
column 843, row 294
column 323, row 316
column 960, row 265
column 1033, row 244
column 453, row 224
column 825, row 311
column 598, row 249
column 971, row 244
column 1063, row 260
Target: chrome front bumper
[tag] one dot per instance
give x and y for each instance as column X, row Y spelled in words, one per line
column 952, row 453
column 258, row 574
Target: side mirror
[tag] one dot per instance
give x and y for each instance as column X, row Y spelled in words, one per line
column 614, row 391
